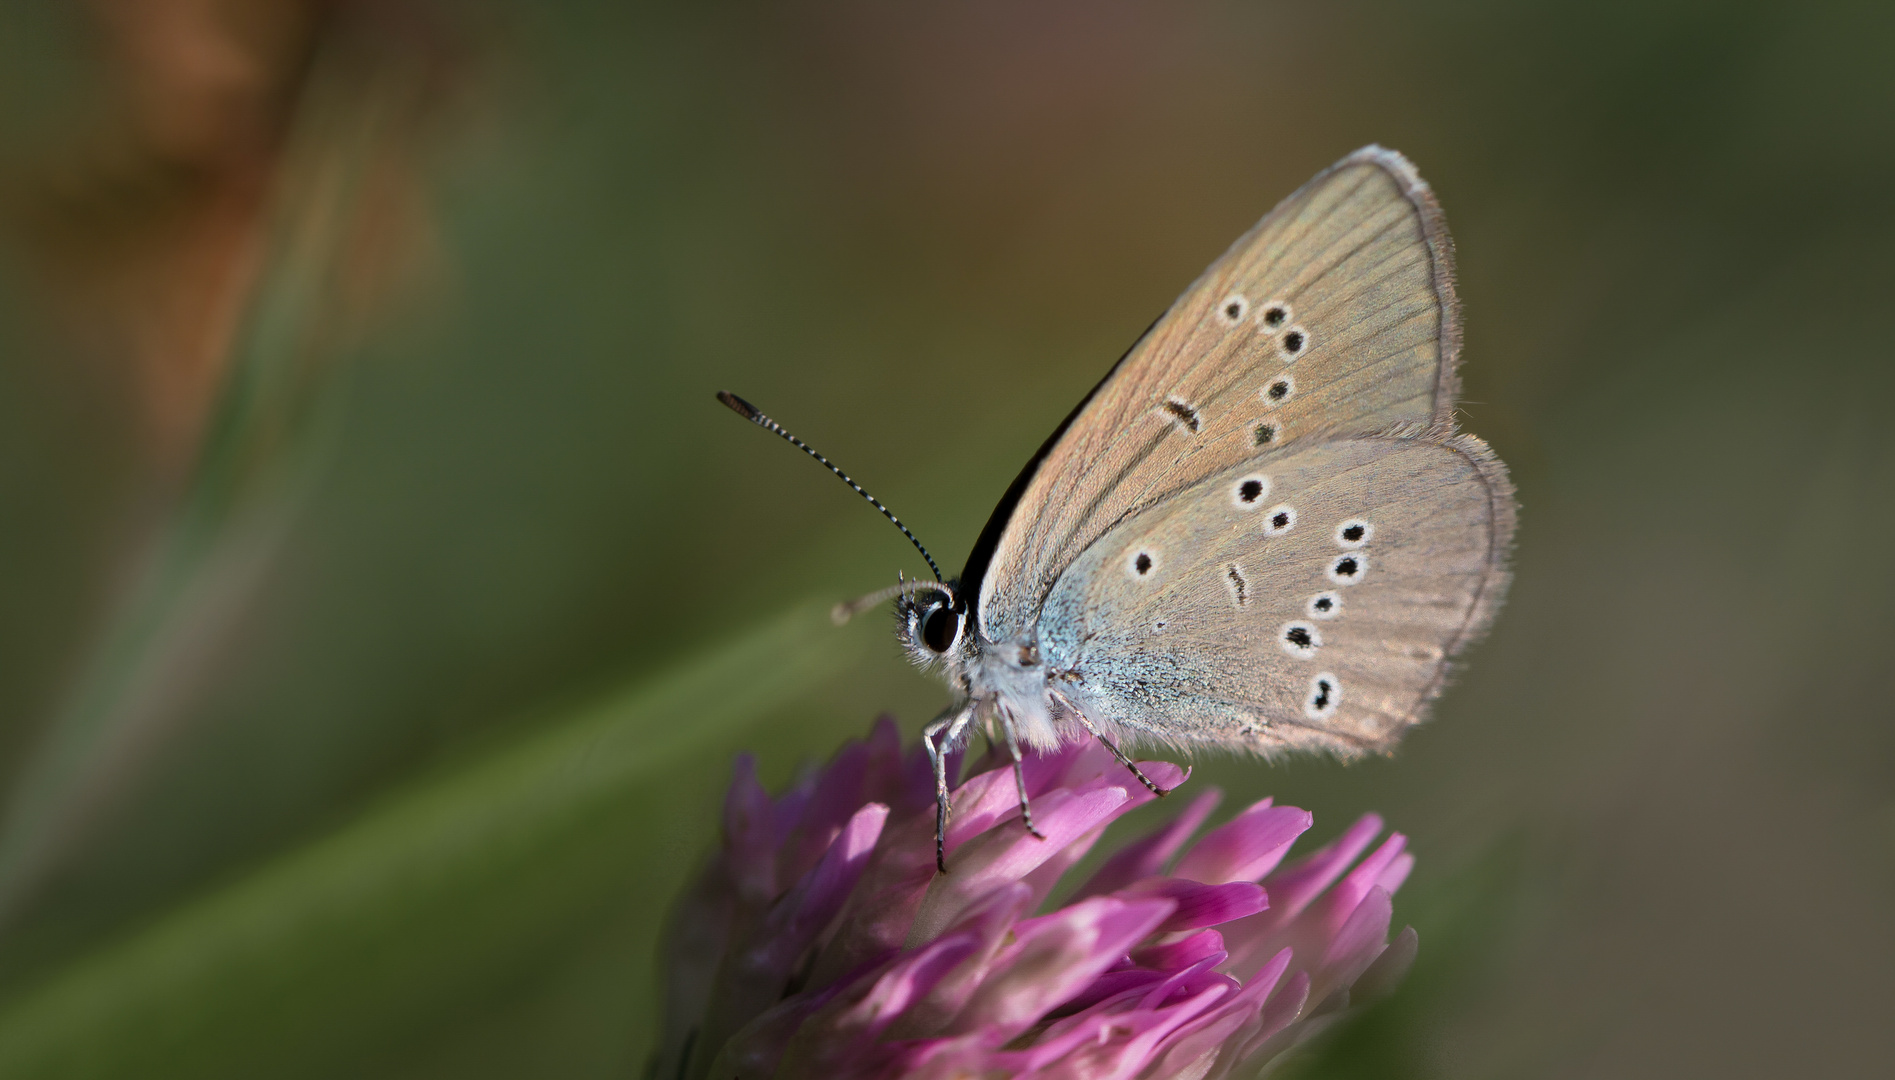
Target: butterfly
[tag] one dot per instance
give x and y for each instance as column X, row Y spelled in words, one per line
column 1260, row 531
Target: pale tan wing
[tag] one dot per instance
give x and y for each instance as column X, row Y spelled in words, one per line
column 1334, row 315
column 1310, row 599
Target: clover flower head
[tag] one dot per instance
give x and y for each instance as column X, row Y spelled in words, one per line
column 821, row 942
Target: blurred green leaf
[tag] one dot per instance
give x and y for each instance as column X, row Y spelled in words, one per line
column 308, row 960
column 197, row 573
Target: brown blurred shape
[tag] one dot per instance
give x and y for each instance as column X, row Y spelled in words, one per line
column 148, row 226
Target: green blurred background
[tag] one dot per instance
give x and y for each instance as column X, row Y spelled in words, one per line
column 385, row 596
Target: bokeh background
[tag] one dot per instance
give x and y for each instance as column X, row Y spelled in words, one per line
column 383, row 596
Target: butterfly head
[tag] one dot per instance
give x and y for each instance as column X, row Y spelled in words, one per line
column 933, row 627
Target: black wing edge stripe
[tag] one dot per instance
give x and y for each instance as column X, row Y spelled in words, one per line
column 1447, row 379
column 983, row 553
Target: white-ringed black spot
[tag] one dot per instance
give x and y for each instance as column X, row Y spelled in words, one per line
column 1185, row 413
column 1279, row 520
column 1250, row 491
column 1325, row 605
column 1275, row 314
column 1348, row 569
column 1141, row 562
column 1354, row 533
column 1293, row 343
column 1233, row 309
column 1278, row 391
column 1300, row 640
column 1239, row 584
column 1325, row 693
column 1265, row 434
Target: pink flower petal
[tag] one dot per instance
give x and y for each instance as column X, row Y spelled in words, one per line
column 749, row 832
column 1275, row 1034
column 1388, row 968
column 758, row 1048
column 1053, row 958
column 1181, row 954
column 757, row 969
column 1108, row 985
column 1292, row 888
column 1359, row 882
column 1357, row 943
column 1147, row 856
column 1201, row 905
column 848, row 1025
column 1391, row 879
column 991, row 921
column 873, row 966
column 835, row 792
column 876, row 919
column 1122, row 1042
column 1235, row 1021
column 1245, row 848
column 915, row 994
column 1047, row 875
column 1009, row 853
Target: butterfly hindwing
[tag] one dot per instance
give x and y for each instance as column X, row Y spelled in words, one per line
column 1310, row 598
column 1334, row 315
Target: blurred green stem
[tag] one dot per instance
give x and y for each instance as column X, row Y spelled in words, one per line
column 289, row 970
column 191, row 582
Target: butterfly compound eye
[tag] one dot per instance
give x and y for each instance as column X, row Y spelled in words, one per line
column 940, row 627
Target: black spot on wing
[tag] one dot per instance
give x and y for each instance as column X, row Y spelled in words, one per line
column 1185, row 413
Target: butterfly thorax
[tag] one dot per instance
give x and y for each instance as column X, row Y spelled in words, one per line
column 1003, row 680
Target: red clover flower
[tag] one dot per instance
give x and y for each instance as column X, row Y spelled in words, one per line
column 822, row 943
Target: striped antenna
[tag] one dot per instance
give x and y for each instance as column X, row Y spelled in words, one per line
column 754, row 415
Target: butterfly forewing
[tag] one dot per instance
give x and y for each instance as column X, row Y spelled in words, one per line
column 1334, row 315
column 1310, row 598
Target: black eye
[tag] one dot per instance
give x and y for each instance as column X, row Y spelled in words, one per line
column 940, row 628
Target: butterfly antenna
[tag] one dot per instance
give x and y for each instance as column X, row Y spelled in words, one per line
column 754, row 415
column 843, row 612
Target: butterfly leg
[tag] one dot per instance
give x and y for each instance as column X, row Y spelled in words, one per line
column 937, row 738
column 1109, row 745
column 1019, row 774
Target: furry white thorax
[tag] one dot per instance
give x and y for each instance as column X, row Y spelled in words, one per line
column 1008, row 680
column 1004, row 683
